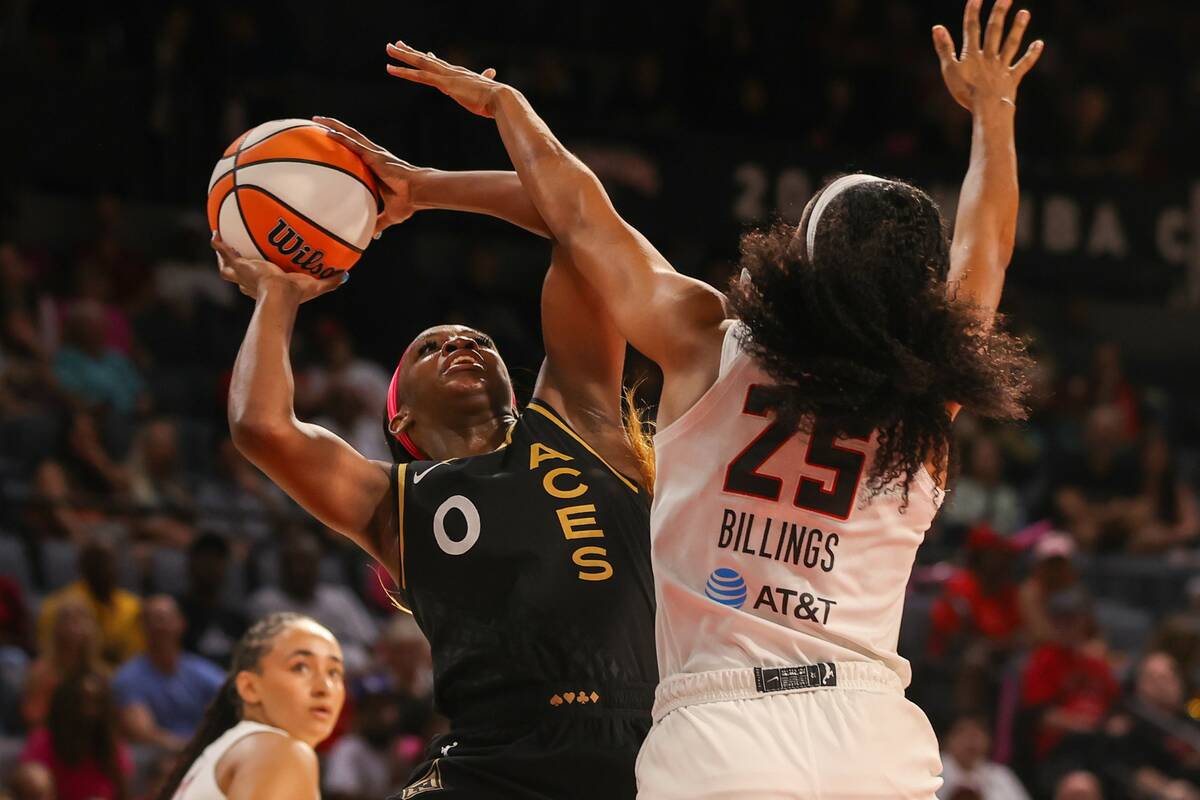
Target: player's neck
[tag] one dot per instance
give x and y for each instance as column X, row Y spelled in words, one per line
column 466, row 437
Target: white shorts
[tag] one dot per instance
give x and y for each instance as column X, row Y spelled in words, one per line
column 827, row 731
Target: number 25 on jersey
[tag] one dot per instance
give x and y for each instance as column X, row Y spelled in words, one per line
column 743, row 477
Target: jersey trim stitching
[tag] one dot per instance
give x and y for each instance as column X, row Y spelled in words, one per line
column 534, row 406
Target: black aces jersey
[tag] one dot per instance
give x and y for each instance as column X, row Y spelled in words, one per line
column 528, row 569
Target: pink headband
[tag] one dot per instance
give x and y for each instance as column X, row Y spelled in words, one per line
column 402, row 437
column 393, row 407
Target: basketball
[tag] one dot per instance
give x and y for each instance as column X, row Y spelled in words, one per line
column 287, row 192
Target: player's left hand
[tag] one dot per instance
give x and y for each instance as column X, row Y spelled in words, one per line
column 471, row 90
column 985, row 72
column 253, row 275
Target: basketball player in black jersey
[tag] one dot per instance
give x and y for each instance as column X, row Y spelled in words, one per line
column 519, row 540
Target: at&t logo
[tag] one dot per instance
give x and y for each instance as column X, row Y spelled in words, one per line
column 727, row 587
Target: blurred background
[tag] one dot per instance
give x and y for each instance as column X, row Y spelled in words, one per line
column 1053, row 619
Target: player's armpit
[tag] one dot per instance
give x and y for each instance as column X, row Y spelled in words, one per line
column 326, row 476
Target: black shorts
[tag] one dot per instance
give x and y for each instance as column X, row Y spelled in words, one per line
column 581, row 756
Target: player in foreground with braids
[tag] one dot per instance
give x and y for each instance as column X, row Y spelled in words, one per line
column 519, row 540
column 802, row 445
column 281, row 699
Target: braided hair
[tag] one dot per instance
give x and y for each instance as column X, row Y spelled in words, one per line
column 225, row 710
column 853, row 320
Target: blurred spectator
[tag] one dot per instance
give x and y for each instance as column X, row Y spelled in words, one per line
column 981, row 600
column 31, row 781
column 73, row 648
column 1167, row 515
column 975, row 625
column 212, row 621
column 236, row 500
column 359, row 766
column 1156, row 745
column 966, row 769
column 345, row 391
column 117, row 611
column 158, row 485
column 1053, row 572
column 340, row 365
column 92, row 286
column 14, row 615
column 1094, row 492
column 162, row 693
column 79, row 745
column 980, row 493
column 79, row 489
column 301, row 590
column 1110, row 388
column 1067, row 688
column 95, row 374
column 1078, row 785
column 157, row 481
column 349, row 417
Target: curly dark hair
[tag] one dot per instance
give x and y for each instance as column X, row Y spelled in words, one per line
column 865, row 336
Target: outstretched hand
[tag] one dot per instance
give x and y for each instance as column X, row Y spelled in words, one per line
column 984, row 71
column 394, row 174
column 471, row 90
column 252, row 274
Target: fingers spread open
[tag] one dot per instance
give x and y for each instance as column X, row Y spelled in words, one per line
column 995, row 27
column 1012, row 45
column 971, row 26
column 1029, row 59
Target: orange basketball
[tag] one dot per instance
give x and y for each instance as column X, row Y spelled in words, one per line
column 287, row 192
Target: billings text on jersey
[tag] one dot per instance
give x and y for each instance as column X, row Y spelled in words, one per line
column 781, row 540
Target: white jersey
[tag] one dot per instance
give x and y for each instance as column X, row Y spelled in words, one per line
column 767, row 548
column 200, row 782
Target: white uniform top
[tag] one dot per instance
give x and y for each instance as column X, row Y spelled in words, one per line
column 200, row 782
column 767, row 548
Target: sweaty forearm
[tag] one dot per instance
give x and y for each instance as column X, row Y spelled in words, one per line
column 496, row 194
column 985, row 226
column 560, row 186
column 261, row 389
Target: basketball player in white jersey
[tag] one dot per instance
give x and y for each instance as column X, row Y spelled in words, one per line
column 802, row 445
column 282, row 698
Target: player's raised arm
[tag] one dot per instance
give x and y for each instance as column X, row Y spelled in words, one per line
column 329, row 478
column 407, row 189
column 983, row 78
column 668, row 316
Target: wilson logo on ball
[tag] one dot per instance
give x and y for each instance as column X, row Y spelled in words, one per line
column 289, row 243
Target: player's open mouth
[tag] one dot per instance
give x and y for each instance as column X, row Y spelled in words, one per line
column 322, row 712
column 462, row 362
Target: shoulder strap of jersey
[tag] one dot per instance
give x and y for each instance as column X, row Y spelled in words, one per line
column 399, row 477
column 731, row 348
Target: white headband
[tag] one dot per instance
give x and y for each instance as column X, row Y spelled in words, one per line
column 831, row 191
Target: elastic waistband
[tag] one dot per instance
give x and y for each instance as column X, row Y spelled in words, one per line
column 692, row 688
column 521, row 706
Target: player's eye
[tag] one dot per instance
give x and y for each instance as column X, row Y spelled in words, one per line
column 428, row 346
column 483, row 341
column 299, row 667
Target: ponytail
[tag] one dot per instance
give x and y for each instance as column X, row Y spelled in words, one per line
column 222, row 714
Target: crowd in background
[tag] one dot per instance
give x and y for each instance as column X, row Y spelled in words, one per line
column 1053, row 620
